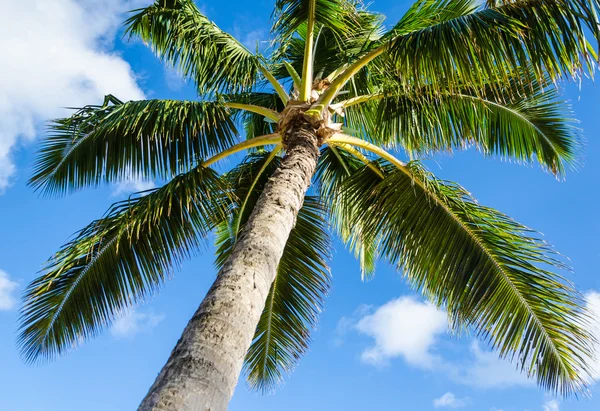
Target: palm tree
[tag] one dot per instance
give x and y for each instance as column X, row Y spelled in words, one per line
column 336, row 102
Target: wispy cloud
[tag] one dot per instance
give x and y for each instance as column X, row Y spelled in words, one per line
column 173, row 78
column 551, row 405
column 483, row 369
column 132, row 323
column 412, row 330
column 252, row 38
column 8, row 301
column 251, row 32
column 347, row 324
column 449, row 400
column 62, row 57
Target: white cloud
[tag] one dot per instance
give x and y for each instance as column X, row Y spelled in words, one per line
column 403, row 327
column 7, row 290
column 449, row 400
column 551, row 405
column 131, row 323
column 132, row 185
column 61, row 57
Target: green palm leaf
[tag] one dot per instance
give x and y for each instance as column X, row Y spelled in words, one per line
column 302, row 283
column 290, row 15
column 256, row 124
column 534, row 126
column 117, row 261
column 150, row 139
column 334, row 169
column 486, row 269
column 333, row 49
column 425, row 14
column 182, row 36
column 442, row 42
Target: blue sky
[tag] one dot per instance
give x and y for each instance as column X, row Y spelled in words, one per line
column 378, row 346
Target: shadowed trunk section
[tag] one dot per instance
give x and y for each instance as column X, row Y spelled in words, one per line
column 203, row 369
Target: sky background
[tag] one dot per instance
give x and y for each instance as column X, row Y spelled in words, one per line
column 379, row 346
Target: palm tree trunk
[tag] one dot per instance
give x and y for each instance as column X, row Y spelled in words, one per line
column 203, row 369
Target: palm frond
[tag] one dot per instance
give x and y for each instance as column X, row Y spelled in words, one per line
column 334, row 169
column 297, row 295
column 184, row 38
column 150, row 139
column 490, row 272
column 332, row 49
column 536, row 125
column 256, row 124
column 290, row 15
column 117, row 261
column 444, row 42
column 426, row 14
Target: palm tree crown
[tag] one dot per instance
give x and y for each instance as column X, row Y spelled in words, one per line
column 451, row 74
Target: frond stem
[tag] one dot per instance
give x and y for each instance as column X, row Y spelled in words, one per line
column 267, row 112
column 276, row 84
column 341, row 80
column 333, row 75
column 293, row 74
column 360, row 99
column 359, row 155
column 307, row 65
column 343, row 139
column 265, row 140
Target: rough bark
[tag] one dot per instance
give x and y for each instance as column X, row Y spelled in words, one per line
column 203, row 369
